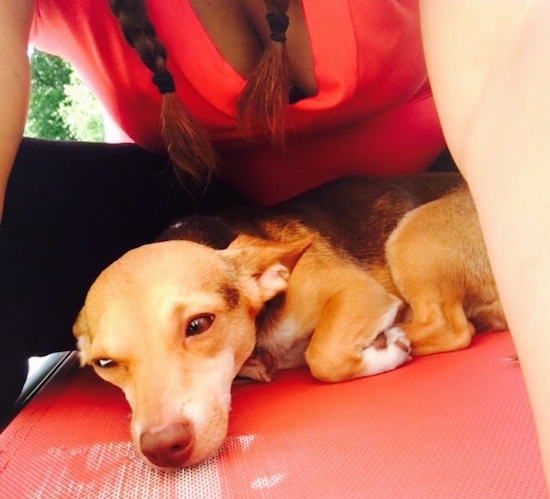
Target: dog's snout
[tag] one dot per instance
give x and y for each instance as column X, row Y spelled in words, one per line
column 169, row 447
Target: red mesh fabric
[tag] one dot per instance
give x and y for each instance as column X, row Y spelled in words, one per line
column 454, row 425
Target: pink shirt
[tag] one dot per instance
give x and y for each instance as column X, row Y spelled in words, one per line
column 374, row 113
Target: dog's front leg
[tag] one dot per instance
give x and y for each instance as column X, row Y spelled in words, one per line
column 354, row 337
column 259, row 366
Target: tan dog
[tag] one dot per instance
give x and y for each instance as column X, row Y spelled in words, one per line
column 350, row 279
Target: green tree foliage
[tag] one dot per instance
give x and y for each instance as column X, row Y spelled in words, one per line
column 61, row 107
column 49, row 75
column 82, row 112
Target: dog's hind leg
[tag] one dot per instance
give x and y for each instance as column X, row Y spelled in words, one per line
column 433, row 255
column 352, row 337
column 438, row 325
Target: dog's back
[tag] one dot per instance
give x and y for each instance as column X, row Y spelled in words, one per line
column 354, row 214
column 357, row 214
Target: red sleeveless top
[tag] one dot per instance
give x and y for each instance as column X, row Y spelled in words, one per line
column 374, row 112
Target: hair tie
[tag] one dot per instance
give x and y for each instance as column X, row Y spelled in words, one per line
column 164, row 82
column 278, row 24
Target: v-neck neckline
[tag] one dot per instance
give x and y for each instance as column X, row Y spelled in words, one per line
column 334, row 64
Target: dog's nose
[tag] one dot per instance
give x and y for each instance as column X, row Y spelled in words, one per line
column 169, row 447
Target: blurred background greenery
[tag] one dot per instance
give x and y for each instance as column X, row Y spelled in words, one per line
column 61, row 106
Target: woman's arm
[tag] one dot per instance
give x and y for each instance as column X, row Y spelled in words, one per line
column 15, row 23
column 489, row 64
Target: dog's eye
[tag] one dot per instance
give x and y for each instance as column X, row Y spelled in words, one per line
column 104, row 363
column 199, row 325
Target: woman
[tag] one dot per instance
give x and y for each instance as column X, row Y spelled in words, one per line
column 275, row 97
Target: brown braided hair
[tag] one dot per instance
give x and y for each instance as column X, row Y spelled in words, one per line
column 260, row 107
column 262, row 103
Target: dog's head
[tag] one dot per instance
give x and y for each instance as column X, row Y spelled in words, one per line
column 171, row 323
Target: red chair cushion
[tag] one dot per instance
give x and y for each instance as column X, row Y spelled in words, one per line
column 452, row 425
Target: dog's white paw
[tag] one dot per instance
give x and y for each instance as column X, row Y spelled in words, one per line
column 390, row 349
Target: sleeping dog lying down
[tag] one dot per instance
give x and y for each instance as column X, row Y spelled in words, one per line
column 351, row 279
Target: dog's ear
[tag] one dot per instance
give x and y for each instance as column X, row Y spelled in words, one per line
column 267, row 265
column 82, row 335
